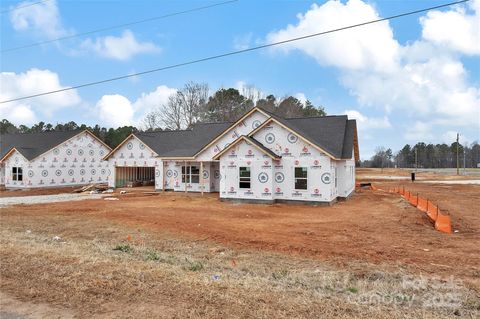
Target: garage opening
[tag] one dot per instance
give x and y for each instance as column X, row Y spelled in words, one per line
column 134, row 176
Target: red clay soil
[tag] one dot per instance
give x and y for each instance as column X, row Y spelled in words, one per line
column 371, row 226
column 36, row 191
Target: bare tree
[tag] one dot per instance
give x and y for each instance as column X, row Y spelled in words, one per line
column 153, row 120
column 172, row 113
column 192, row 99
column 250, row 92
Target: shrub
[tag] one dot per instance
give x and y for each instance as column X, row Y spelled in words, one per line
column 124, row 248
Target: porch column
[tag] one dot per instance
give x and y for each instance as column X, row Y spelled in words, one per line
column 185, row 163
column 163, row 176
column 201, row 176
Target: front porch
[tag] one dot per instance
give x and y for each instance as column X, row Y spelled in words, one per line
column 191, row 176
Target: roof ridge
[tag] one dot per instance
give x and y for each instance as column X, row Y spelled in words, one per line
column 221, row 122
column 44, row 132
column 313, row 117
column 161, row 131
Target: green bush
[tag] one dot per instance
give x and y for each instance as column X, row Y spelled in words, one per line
column 124, row 248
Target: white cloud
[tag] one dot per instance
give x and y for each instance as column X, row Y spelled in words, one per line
column 422, row 80
column 43, row 19
column 119, row 48
column 117, row 110
column 365, row 123
column 301, row 97
column 34, row 81
column 366, row 47
column 454, row 29
column 149, row 101
column 420, row 131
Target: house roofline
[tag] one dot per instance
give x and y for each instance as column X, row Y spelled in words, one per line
column 232, row 126
column 294, row 132
column 246, row 139
column 123, row 142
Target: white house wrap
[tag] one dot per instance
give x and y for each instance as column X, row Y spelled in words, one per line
column 261, row 157
column 52, row 159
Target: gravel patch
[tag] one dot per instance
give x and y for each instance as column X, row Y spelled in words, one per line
column 461, row 182
column 42, row 199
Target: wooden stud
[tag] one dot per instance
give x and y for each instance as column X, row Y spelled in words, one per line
column 185, row 162
column 201, row 176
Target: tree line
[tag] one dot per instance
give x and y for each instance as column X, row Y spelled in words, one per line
column 424, row 155
column 192, row 104
column 189, row 105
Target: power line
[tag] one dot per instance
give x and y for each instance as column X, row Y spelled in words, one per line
column 230, row 53
column 24, row 6
column 118, row 26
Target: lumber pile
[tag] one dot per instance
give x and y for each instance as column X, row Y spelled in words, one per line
column 97, row 188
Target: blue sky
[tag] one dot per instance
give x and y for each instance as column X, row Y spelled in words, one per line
column 412, row 79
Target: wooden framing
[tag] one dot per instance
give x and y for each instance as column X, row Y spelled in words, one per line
column 201, row 177
column 125, row 174
column 12, row 150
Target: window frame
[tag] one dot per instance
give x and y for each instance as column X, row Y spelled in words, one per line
column 189, row 177
column 295, row 178
column 17, row 173
column 245, row 179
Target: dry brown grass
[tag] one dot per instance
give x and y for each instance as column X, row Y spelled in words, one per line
column 161, row 276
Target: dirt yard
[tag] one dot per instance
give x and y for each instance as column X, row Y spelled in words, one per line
column 177, row 256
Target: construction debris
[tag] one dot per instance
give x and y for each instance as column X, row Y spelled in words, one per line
column 110, row 198
column 92, row 188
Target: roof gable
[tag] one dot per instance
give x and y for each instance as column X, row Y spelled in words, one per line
column 326, row 133
column 233, row 126
column 32, row 145
column 251, row 141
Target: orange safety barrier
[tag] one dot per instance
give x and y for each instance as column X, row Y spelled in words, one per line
column 432, row 211
column 442, row 222
column 413, row 200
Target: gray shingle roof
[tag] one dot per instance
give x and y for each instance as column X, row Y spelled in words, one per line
column 334, row 134
column 327, row 132
column 348, row 140
column 32, row 145
column 184, row 143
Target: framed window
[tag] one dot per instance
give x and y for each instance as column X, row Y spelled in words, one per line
column 301, row 178
column 17, row 174
column 190, row 174
column 244, row 174
column 185, row 174
column 194, row 175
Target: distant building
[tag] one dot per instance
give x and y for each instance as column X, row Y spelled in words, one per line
column 50, row 159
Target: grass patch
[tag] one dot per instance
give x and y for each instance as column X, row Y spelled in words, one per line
column 124, row 248
column 280, row 274
column 353, row 290
column 152, row 255
column 194, row 266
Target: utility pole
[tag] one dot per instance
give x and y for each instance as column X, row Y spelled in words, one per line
column 416, row 160
column 464, row 162
column 458, row 168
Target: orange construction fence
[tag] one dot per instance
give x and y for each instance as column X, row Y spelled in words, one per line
column 442, row 222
